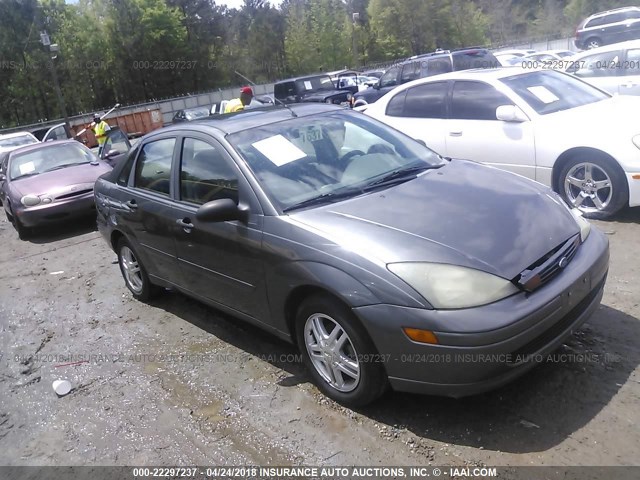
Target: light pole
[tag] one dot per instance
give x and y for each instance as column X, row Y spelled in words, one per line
column 54, row 49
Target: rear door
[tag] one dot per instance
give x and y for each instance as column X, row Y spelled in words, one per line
column 219, row 261
column 474, row 132
column 147, row 214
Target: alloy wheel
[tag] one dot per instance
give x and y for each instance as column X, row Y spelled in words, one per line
column 332, row 352
column 588, row 187
column 131, row 269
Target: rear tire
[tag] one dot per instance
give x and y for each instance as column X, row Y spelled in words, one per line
column 593, row 42
column 339, row 354
column 134, row 273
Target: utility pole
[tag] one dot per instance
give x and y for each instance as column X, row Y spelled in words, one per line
column 54, row 49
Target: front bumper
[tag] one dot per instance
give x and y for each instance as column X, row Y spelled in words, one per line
column 485, row 347
column 58, row 211
column 634, row 188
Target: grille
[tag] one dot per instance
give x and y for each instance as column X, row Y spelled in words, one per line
column 74, row 194
column 547, row 267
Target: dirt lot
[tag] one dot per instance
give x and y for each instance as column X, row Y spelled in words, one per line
column 176, row 382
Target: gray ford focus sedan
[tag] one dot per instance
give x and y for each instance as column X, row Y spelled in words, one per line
column 387, row 265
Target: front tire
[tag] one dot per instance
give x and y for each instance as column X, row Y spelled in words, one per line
column 595, row 185
column 23, row 232
column 338, row 352
column 134, row 274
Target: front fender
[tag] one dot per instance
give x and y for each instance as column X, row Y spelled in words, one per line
column 289, row 283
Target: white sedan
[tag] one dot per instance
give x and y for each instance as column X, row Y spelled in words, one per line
column 542, row 124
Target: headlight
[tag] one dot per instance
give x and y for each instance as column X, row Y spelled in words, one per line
column 451, row 286
column 585, row 227
column 349, row 97
column 636, row 141
column 30, row 200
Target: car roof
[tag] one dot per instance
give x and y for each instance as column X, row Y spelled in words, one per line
column 475, row 73
column 613, row 10
column 41, row 145
column 255, row 118
column 16, row 134
column 293, row 79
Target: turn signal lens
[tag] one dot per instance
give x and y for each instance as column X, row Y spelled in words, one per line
column 421, row 336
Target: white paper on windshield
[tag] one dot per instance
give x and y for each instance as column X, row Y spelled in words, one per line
column 27, row 167
column 279, row 150
column 543, row 94
column 307, row 85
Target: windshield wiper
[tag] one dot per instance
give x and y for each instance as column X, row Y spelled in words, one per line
column 400, row 175
column 30, row 174
column 58, row 167
column 325, row 198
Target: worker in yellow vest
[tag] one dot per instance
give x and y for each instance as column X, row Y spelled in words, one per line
column 238, row 104
column 100, row 129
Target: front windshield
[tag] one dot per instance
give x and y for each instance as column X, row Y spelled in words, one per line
column 17, row 141
column 49, row 158
column 314, row 84
column 303, row 158
column 549, row 91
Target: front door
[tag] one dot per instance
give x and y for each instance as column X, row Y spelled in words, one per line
column 219, row 261
column 474, row 132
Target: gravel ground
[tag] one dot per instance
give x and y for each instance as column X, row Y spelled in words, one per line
column 177, row 383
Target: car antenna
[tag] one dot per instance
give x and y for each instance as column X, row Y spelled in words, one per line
column 293, row 114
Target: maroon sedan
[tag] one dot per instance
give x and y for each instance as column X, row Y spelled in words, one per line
column 48, row 182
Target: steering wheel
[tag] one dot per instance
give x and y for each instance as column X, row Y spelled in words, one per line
column 349, row 155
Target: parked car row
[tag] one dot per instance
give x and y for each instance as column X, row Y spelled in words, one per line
column 414, row 230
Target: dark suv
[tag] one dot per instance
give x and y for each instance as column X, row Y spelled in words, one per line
column 612, row 26
column 441, row 61
column 313, row 88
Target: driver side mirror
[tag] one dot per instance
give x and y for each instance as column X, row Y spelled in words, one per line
column 510, row 113
column 221, row 210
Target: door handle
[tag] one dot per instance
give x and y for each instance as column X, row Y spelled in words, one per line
column 456, row 133
column 186, row 224
column 131, row 204
column 628, row 84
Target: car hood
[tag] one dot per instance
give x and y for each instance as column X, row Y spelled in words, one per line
column 462, row 213
column 60, row 181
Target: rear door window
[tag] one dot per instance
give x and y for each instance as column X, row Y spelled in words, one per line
column 153, row 168
column 426, row 101
column 395, row 107
column 410, row 71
